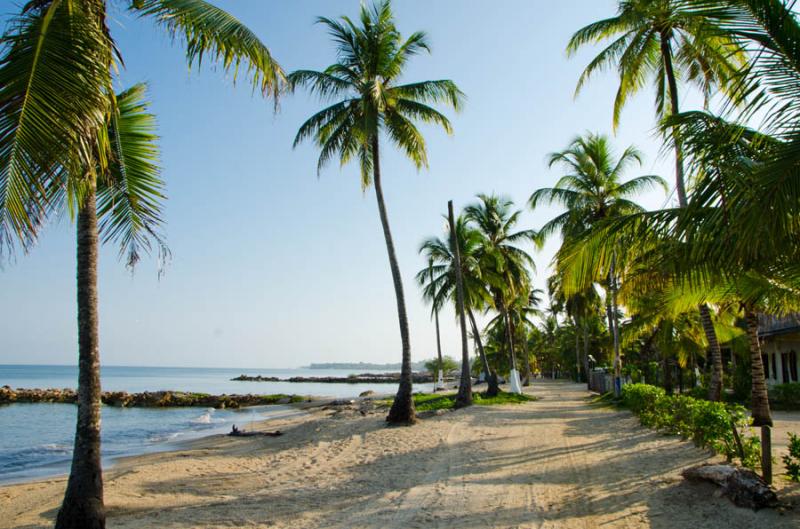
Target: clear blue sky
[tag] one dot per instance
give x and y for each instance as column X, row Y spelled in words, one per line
column 274, row 267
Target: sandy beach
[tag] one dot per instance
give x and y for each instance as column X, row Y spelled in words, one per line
column 557, row 462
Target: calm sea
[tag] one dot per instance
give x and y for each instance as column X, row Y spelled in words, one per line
column 36, row 439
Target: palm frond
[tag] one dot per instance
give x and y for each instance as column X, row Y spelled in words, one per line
column 211, row 31
column 130, row 197
column 55, row 83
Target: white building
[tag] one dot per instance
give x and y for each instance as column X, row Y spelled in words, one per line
column 780, row 346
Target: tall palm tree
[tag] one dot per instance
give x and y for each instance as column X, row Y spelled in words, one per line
column 527, row 307
column 667, row 41
column 593, row 191
column 435, row 311
column 371, row 58
column 439, row 282
column 506, row 266
column 63, row 139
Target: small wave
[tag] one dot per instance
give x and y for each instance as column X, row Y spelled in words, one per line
column 161, row 438
column 207, row 418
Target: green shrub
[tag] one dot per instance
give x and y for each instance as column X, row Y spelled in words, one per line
column 792, row 460
column 785, row 396
column 641, row 397
column 708, row 424
column 699, row 392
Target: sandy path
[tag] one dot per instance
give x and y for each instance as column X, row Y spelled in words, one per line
column 555, row 463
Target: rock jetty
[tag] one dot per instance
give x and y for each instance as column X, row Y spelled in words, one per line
column 147, row 399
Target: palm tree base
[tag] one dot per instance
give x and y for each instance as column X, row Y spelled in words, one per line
column 402, row 412
column 493, row 388
column 81, row 513
column 515, row 382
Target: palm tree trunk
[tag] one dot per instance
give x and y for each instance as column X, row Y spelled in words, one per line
column 614, row 322
column 402, row 411
column 759, row 399
column 509, row 339
column 715, row 387
column 667, row 374
column 83, row 507
column 464, row 396
column 438, row 337
column 666, row 54
column 586, row 353
column 526, row 371
column 526, row 365
column 577, row 351
column 492, row 387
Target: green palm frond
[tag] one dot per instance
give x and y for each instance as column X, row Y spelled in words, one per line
column 646, row 34
column 211, row 32
column 55, row 83
column 130, row 197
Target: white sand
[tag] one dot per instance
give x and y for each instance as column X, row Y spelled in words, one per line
column 555, row 463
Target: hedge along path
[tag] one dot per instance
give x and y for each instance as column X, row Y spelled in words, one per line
column 723, row 428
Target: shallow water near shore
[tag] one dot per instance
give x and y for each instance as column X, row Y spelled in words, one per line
column 36, row 439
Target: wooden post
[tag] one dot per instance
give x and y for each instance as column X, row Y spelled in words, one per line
column 464, row 397
column 766, row 454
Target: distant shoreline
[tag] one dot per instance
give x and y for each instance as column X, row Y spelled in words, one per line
column 363, row 378
column 363, row 366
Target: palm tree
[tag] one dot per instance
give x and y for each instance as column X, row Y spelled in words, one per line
column 370, row 60
column 593, row 191
column 506, row 266
column 527, row 306
column 464, row 395
column 62, row 139
column 668, row 41
column 439, row 282
column 435, row 310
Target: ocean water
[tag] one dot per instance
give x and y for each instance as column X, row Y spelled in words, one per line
column 36, row 439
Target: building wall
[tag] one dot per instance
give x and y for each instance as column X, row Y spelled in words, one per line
column 782, row 353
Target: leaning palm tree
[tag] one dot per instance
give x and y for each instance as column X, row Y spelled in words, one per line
column 668, row 41
column 61, row 132
column 593, row 191
column 371, row 58
column 506, row 267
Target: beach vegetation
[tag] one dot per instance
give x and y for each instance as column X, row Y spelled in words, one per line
column 447, row 365
column 437, row 401
column 791, row 460
column 723, row 428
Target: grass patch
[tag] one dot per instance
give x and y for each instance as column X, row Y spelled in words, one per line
column 437, row 401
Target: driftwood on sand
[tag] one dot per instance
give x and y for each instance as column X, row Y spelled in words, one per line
column 743, row 487
column 236, row 432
